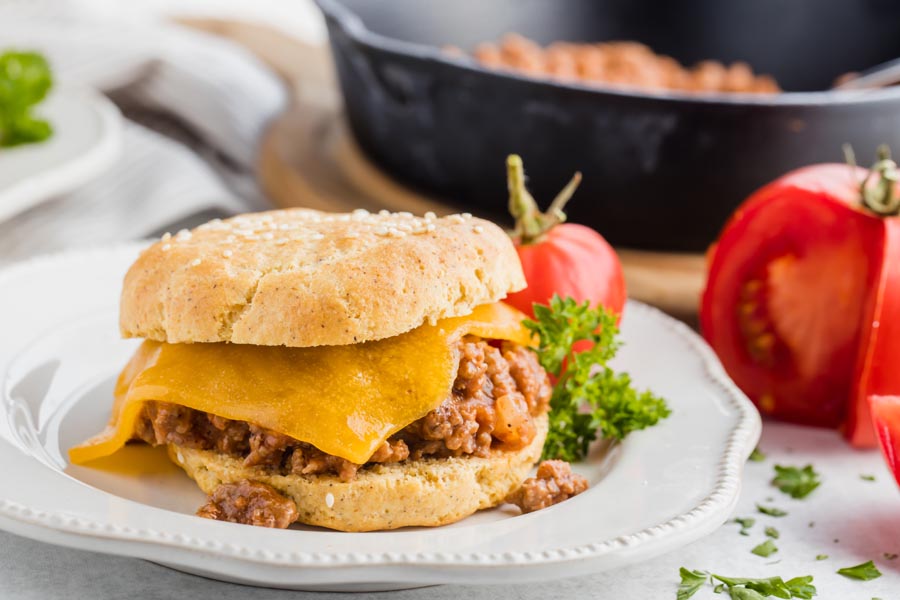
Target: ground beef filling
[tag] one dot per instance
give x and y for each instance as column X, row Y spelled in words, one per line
column 553, row 483
column 497, row 393
column 250, row 503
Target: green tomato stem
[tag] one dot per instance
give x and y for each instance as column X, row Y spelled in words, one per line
column 880, row 197
column 531, row 223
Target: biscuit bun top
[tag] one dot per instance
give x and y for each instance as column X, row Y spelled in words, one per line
column 306, row 278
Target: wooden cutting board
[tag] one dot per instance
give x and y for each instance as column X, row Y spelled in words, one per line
column 309, row 158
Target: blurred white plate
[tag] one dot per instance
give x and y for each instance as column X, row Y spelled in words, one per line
column 661, row 489
column 87, row 131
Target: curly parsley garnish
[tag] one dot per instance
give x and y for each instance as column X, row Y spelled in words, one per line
column 796, row 482
column 589, row 397
column 25, row 79
column 863, row 572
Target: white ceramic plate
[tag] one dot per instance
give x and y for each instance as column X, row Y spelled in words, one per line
column 60, row 352
column 86, row 140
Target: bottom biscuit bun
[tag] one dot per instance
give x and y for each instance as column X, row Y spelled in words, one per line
column 426, row 492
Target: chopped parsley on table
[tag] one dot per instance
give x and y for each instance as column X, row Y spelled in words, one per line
column 772, row 533
column 589, row 397
column 746, row 523
column 867, row 477
column 771, row 511
column 740, row 588
column 757, row 455
column 795, row 481
column 25, row 80
column 864, row 572
column 766, row 549
column 691, row 582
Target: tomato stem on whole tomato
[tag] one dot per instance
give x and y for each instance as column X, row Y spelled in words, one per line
column 531, row 223
column 558, row 258
column 879, row 197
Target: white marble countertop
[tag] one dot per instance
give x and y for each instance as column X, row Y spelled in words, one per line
column 848, row 518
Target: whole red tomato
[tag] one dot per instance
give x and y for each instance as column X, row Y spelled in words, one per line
column 557, row 257
column 802, row 302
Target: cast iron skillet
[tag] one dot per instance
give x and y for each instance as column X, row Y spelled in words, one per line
column 661, row 171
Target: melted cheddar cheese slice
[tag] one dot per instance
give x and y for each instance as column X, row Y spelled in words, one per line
column 344, row 400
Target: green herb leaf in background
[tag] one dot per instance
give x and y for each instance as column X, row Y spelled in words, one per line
column 766, row 549
column 867, row 477
column 821, row 557
column 770, row 510
column 25, row 79
column 589, row 397
column 863, row 572
column 796, row 482
column 772, row 533
column 757, row 455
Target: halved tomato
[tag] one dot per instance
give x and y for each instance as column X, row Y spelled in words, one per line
column 886, row 418
column 799, row 282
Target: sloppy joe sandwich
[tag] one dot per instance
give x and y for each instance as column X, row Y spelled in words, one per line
column 354, row 371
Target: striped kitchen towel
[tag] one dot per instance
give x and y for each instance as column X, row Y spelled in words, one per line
column 196, row 106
